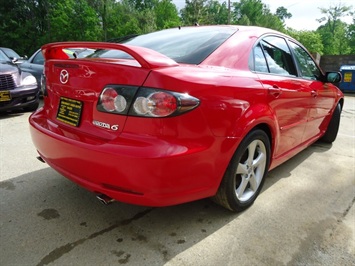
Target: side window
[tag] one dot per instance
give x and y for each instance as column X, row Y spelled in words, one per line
column 272, row 55
column 38, row 59
column 260, row 64
column 308, row 68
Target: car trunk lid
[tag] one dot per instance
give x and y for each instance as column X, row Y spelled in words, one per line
column 73, row 86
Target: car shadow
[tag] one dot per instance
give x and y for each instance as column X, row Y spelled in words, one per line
column 54, row 218
column 9, row 115
column 51, row 217
column 285, row 169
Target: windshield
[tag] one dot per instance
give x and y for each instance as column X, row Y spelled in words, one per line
column 3, row 57
column 10, row 53
column 189, row 45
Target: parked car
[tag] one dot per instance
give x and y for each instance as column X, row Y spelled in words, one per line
column 183, row 114
column 35, row 63
column 18, row 89
column 11, row 54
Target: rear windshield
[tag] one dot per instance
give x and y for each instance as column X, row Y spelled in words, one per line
column 184, row 45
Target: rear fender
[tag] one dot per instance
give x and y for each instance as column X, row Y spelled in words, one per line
column 259, row 115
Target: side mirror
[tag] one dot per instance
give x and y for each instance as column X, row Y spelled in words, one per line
column 333, row 77
column 15, row 60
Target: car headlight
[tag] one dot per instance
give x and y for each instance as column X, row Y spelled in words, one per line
column 29, row 80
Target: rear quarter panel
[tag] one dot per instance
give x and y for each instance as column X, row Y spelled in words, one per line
column 232, row 102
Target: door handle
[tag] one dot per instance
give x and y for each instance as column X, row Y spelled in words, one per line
column 314, row 93
column 275, row 91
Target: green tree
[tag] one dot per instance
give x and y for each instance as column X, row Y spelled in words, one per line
column 193, row 12
column 22, row 24
column 310, row 39
column 335, row 42
column 282, row 13
column 256, row 13
column 166, row 14
column 123, row 21
column 350, row 34
column 73, row 20
column 215, row 13
column 333, row 14
column 103, row 9
column 334, row 31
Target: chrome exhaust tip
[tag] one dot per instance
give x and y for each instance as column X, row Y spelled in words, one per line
column 39, row 158
column 104, row 199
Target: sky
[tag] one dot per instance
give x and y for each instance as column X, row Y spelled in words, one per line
column 304, row 12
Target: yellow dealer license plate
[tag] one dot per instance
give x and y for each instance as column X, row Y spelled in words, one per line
column 5, row 96
column 69, row 111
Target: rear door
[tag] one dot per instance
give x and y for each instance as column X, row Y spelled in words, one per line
column 286, row 95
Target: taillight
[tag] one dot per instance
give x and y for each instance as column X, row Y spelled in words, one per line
column 157, row 104
column 144, row 102
column 116, row 99
column 112, row 101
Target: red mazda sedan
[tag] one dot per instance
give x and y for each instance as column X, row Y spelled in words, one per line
column 182, row 114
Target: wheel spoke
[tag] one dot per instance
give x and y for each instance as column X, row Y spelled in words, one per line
column 241, row 189
column 251, row 151
column 253, row 182
column 259, row 160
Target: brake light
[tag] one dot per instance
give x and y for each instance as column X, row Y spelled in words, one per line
column 144, row 102
column 157, row 104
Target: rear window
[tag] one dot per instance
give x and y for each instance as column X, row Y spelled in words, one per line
column 184, row 45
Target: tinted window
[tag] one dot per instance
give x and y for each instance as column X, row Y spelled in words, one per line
column 185, row 45
column 308, row 68
column 278, row 57
column 38, row 59
column 260, row 64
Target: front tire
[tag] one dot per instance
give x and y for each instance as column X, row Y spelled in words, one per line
column 245, row 175
column 333, row 127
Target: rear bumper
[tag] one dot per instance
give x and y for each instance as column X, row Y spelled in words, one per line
column 141, row 170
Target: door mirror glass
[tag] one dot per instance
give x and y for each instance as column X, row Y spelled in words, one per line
column 333, row 77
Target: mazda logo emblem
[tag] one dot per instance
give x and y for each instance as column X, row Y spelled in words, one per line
column 64, row 76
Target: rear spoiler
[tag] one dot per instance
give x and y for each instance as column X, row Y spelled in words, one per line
column 147, row 58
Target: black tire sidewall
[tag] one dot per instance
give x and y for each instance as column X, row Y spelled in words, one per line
column 233, row 201
column 333, row 127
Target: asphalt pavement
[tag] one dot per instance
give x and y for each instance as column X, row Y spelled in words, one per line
column 304, row 215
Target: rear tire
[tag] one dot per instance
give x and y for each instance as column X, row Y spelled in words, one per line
column 333, row 127
column 245, row 175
